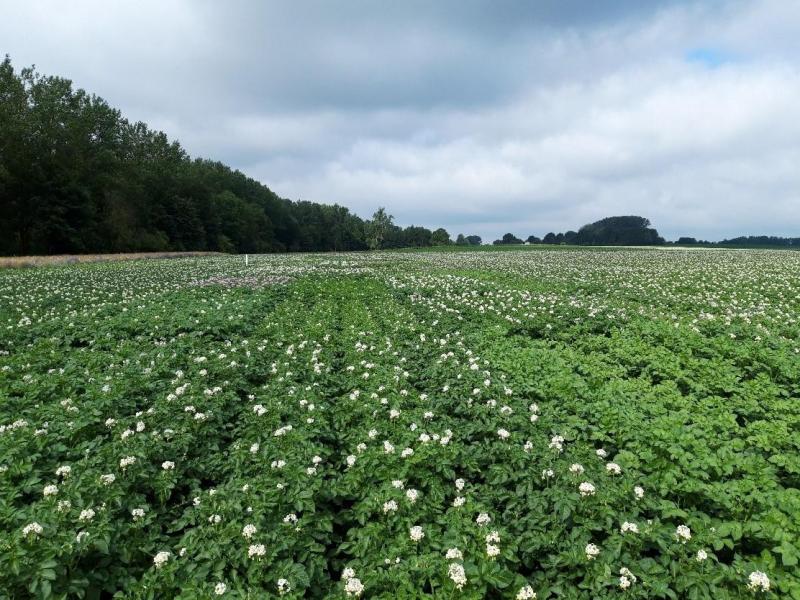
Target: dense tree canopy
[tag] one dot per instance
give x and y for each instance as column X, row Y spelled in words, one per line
column 77, row 177
column 611, row 231
column 508, row 238
column 762, row 240
column 765, row 241
column 440, row 237
column 474, row 240
column 619, row 231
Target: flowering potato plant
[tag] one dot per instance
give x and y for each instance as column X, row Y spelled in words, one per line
column 541, row 424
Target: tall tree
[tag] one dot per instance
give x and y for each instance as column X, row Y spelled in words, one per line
column 440, row 237
column 508, row 238
column 619, row 231
column 378, row 228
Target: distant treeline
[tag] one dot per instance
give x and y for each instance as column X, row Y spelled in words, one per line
column 77, row 177
column 636, row 231
column 611, row 231
column 744, row 240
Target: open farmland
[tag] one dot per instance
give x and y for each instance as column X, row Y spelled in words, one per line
column 570, row 424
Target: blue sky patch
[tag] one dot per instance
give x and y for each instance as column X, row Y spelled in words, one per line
column 709, row 57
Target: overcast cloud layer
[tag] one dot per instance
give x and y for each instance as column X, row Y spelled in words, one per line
column 483, row 118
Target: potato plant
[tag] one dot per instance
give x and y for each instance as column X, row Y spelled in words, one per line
column 571, row 424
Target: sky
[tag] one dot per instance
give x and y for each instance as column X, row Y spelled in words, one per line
column 481, row 117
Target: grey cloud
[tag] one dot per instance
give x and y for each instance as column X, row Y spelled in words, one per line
column 483, row 117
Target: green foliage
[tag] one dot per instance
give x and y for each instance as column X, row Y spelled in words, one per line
column 618, row 231
column 611, row 231
column 76, row 177
column 626, row 420
column 508, row 238
column 379, row 228
column 754, row 240
column 440, row 237
column 469, row 240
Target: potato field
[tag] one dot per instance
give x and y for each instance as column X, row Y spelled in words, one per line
column 550, row 424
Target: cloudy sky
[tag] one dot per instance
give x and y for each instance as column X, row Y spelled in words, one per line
column 483, row 117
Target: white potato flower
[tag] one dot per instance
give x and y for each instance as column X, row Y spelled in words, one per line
column 456, row 573
column 591, row 551
column 629, row 527
column 526, row 593
column 354, row 587
column 416, row 533
column 32, row 529
column 758, row 582
column 160, row 559
column 256, row 551
column 683, row 534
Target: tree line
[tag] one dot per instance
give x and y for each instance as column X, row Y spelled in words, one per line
column 77, row 177
column 611, row 231
column 636, row 231
column 745, row 240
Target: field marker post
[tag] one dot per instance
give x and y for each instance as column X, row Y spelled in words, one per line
column 246, row 260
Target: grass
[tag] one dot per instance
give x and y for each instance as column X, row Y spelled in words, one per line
column 22, row 262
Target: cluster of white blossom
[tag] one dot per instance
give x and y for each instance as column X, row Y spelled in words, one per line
column 352, row 584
